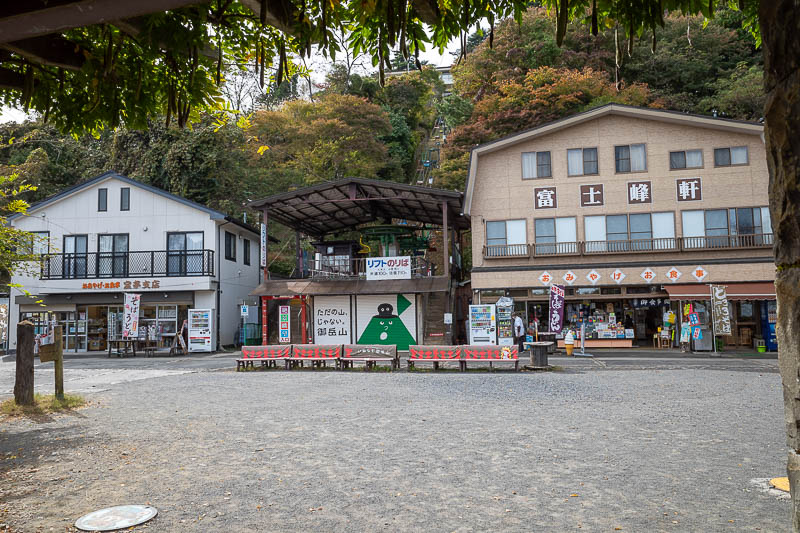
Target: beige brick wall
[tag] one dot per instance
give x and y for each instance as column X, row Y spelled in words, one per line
column 500, row 193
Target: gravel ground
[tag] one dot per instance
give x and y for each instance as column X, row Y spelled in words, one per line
column 595, row 450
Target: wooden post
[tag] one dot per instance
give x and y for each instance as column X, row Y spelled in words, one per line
column 23, row 386
column 59, row 362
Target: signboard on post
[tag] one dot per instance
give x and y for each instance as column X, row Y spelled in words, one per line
column 283, row 324
column 244, row 310
column 722, row 313
column 556, row 308
column 263, row 245
column 379, row 268
column 130, row 322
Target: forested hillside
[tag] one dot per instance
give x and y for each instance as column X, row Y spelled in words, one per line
column 520, row 79
column 354, row 127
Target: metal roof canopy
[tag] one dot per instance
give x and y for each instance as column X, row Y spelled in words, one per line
column 341, row 205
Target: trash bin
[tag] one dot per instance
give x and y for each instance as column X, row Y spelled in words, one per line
column 539, row 354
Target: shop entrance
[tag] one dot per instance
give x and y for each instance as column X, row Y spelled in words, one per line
column 73, row 325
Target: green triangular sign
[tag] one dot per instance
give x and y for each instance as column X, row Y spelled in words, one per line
column 402, row 304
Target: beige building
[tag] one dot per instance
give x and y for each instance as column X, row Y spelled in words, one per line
column 636, row 212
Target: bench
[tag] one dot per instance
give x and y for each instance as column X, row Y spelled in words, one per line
column 268, row 355
column 432, row 354
column 490, row 353
column 370, row 355
column 317, row 354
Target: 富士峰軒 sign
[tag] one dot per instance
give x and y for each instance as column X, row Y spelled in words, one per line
column 388, row 268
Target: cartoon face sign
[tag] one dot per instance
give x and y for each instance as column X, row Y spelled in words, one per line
column 387, row 328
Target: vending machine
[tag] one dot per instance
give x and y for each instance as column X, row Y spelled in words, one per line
column 505, row 321
column 202, row 336
column 482, row 329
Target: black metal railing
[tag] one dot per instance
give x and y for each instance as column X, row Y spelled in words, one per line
column 157, row 264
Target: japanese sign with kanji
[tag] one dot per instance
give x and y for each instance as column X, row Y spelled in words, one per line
column 130, row 320
column 699, row 273
column 593, row 277
column 545, row 278
column 283, row 324
column 689, row 189
column 332, row 320
column 592, row 195
column 545, row 198
column 618, row 275
column 556, row 308
column 569, row 277
column 673, row 274
column 720, row 309
column 640, row 192
column 648, row 275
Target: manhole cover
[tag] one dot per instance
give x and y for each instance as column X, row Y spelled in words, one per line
column 118, row 517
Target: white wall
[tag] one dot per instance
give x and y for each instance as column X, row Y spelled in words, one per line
column 237, row 280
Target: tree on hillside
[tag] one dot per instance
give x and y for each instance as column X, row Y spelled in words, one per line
column 545, row 94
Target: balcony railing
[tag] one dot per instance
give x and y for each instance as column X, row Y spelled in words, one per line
column 726, row 242
column 349, row 268
column 556, row 248
column 506, row 250
column 156, row 264
column 629, row 246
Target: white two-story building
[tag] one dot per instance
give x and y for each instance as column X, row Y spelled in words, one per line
column 111, row 235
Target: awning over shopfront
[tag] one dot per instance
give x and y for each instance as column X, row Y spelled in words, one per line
column 330, row 287
column 759, row 290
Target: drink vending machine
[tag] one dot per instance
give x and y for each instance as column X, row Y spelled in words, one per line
column 505, row 321
column 202, row 335
column 482, row 329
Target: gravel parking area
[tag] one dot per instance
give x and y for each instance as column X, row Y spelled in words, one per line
column 593, row 450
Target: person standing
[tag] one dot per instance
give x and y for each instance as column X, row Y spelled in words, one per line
column 519, row 331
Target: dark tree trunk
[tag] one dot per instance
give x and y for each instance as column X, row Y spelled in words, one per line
column 23, row 386
column 780, row 31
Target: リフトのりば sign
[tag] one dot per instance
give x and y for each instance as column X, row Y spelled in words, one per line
column 388, row 268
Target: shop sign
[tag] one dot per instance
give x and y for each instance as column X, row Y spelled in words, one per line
column 686, row 331
column 556, row 308
column 697, row 333
column 332, row 320
column 647, row 302
column 592, row 195
column 545, row 278
column 639, row 192
column 618, row 275
column 593, row 277
column 648, row 275
column 569, row 277
column 545, row 198
column 283, row 318
column 694, row 319
column 130, row 321
column 689, row 189
column 699, row 273
column 124, row 285
column 244, row 310
column 263, row 245
column 720, row 309
column 673, row 274
column 379, row 268
column 387, row 319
